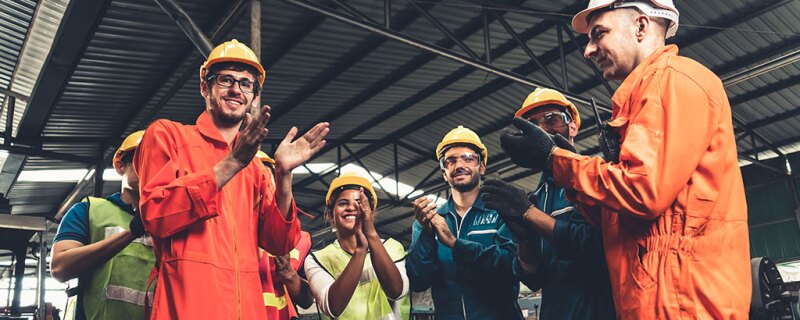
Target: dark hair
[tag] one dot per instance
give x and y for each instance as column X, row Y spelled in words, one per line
column 235, row 66
column 127, row 156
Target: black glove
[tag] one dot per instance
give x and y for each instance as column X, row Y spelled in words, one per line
column 511, row 203
column 563, row 143
column 136, row 227
column 608, row 139
column 530, row 148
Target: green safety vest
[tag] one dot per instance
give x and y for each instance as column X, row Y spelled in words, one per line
column 368, row 302
column 116, row 290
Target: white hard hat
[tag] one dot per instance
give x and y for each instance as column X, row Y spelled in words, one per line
column 654, row 8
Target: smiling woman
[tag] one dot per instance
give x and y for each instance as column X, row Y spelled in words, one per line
column 345, row 275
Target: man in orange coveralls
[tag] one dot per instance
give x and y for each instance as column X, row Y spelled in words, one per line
column 672, row 208
column 209, row 205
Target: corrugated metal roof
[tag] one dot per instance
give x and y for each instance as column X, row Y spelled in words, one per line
column 138, row 66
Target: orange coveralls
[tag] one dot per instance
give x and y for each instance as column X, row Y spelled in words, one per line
column 278, row 302
column 672, row 211
column 206, row 241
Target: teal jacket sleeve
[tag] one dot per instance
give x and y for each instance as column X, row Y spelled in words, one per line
column 421, row 266
column 495, row 258
column 576, row 239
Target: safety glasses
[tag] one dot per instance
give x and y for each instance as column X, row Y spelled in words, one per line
column 469, row 159
column 227, row 81
column 551, row 119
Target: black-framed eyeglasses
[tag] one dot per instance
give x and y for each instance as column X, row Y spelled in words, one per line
column 467, row 158
column 551, row 119
column 227, row 81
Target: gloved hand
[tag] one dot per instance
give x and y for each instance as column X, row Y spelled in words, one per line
column 563, row 143
column 136, row 227
column 511, row 203
column 608, row 139
column 529, row 148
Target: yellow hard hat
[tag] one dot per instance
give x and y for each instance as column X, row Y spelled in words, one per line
column 233, row 51
column 130, row 143
column 264, row 158
column 542, row 97
column 352, row 179
column 462, row 135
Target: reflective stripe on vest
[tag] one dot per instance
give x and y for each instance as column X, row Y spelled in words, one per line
column 115, row 290
column 294, row 254
column 145, row 240
column 128, row 295
column 270, row 300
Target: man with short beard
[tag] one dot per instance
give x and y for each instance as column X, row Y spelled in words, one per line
column 207, row 202
column 463, row 251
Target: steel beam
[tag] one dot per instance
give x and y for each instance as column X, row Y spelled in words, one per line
column 487, row 37
column 353, row 11
column 520, row 9
column 19, row 275
column 564, row 72
column 771, row 119
column 387, row 14
column 36, row 152
column 255, row 27
column 187, row 25
column 390, row 34
column 98, row 180
column 386, row 191
column 765, row 67
column 400, row 73
column 9, row 120
column 41, row 269
column 219, row 27
column 10, row 93
column 524, row 46
column 334, row 70
column 432, row 89
column 74, row 33
column 72, row 197
column 444, row 30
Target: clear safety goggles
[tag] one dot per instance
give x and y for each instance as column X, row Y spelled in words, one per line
column 468, row 158
column 551, row 119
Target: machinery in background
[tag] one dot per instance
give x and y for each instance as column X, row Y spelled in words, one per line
column 772, row 298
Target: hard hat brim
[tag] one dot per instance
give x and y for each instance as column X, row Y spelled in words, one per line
column 579, row 21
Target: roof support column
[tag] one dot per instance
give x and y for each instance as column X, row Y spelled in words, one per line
column 187, row 25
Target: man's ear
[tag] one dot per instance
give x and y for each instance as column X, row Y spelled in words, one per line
column 573, row 130
column 119, row 167
column 642, row 25
column 204, row 89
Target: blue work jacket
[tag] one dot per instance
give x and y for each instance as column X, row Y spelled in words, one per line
column 473, row 280
column 571, row 271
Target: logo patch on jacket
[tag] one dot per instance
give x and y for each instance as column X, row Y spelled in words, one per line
column 485, row 219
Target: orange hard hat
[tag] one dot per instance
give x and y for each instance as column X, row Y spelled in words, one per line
column 542, row 97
